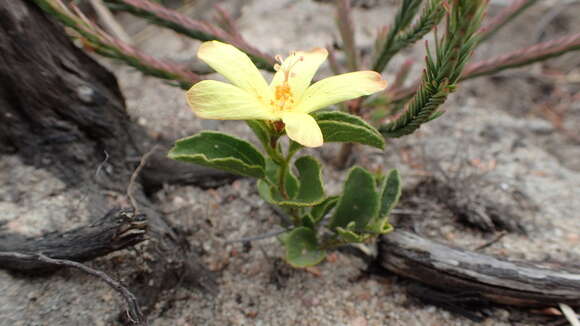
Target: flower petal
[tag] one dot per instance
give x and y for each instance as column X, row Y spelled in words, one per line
column 235, row 65
column 340, row 88
column 302, row 128
column 302, row 66
column 211, row 99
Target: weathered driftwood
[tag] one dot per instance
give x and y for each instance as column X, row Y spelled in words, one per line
column 484, row 278
column 118, row 229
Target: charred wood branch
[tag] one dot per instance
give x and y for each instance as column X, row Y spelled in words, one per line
column 485, row 278
column 161, row 170
column 60, row 109
column 118, row 229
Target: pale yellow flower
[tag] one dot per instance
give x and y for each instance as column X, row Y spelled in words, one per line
column 289, row 97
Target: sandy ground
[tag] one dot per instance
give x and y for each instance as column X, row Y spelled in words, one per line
column 497, row 126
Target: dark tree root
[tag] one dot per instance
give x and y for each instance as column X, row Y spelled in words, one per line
column 465, row 277
column 118, row 229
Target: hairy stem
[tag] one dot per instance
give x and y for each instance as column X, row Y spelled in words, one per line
column 98, row 41
column 187, row 26
column 514, row 59
column 282, row 179
column 400, row 37
column 385, row 43
column 504, row 17
column 535, row 53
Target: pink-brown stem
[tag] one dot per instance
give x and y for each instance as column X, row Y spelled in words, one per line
column 509, row 60
column 189, row 23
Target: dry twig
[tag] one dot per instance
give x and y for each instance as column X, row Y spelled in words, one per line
column 133, row 310
column 132, row 181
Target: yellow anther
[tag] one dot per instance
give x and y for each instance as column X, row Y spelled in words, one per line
column 283, row 92
column 283, row 95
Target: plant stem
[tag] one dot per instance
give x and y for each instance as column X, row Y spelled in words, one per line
column 505, row 16
column 187, row 26
column 332, row 243
column 522, row 57
column 403, row 18
column 346, row 29
column 282, row 179
column 284, row 167
column 282, row 161
column 402, row 34
column 96, row 40
column 343, row 155
column 514, row 59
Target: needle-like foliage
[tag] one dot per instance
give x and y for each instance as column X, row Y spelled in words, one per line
column 400, row 35
column 518, row 58
column 443, row 68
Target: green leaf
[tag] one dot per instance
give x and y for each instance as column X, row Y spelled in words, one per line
column 310, row 189
column 338, row 126
column 220, row 151
column 349, row 236
column 359, row 201
column 302, row 249
column 308, row 221
column 265, row 191
column 379, row 226
column 319, row 211
column 390, row 192
column 293, row 147
column 436, row 115
column 272, row 170
column 261, row 130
